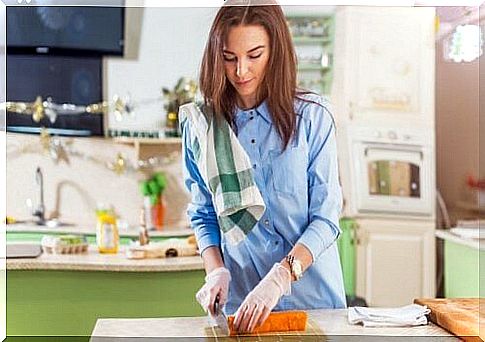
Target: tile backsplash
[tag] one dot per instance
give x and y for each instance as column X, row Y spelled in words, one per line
column 74, row 188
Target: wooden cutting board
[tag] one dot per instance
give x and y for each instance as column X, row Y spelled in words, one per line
column 464, row 317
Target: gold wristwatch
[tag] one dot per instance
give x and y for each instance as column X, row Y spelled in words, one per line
column 296, row 267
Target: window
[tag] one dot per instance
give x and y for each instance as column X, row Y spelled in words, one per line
column 465, row 44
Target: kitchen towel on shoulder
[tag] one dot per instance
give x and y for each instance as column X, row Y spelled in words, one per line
column 409, row 315
column 227, row 171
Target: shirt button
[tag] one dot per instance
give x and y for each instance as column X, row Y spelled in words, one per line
column 253, row 141
column 266, row 222
column 254, row 166
column 252, row 117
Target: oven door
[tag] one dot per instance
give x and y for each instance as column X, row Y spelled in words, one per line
column 393, row 179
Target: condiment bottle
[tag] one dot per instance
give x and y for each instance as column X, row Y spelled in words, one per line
column 107, row 237
column 143, row 236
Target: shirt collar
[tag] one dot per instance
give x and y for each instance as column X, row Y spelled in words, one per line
column 262, row 110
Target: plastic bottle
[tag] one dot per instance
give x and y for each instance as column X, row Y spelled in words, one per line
column 107, row 237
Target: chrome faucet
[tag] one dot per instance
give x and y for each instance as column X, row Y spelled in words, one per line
column 40, row 211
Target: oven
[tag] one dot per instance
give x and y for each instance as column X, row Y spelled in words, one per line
column 389, row 171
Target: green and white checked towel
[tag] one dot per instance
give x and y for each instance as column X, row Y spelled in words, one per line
column 227, row 171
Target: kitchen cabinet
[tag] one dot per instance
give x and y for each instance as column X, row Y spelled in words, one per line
column 64, row 295
column 384, row 65
column 395, row 261
column 313, row 40
column 464, row 260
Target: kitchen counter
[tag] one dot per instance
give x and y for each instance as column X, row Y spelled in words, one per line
column 321, row 323
column 93, row 261
column 472, row 243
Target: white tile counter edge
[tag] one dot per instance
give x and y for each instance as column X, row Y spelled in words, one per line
column 472, row 243
column 93, row 261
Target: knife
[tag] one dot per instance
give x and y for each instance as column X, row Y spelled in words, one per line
column 220, row 318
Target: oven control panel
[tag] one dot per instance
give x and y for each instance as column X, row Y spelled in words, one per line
column 391, row 135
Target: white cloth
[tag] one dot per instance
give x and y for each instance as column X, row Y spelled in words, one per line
column 227, row 171
column 409, row 315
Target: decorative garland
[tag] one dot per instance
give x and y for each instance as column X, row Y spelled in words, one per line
column 59, row 151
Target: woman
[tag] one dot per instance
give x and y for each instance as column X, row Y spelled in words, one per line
column 289, row 259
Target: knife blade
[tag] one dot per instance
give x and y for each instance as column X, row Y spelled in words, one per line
column 220, row 318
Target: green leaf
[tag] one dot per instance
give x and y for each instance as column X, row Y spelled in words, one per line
column 145, row 190
column 161, row 180
column 154, row 187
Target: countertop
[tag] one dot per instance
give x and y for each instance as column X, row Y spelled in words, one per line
column 473, row 243
column 32, row 228
column 93, row 261
column 321, row 323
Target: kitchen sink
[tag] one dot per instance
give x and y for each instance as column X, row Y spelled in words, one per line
column 56, row 223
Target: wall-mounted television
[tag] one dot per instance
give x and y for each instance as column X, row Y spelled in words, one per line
column 64, row 79
column 69, row 30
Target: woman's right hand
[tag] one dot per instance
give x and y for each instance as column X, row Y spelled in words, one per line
column 216, row 284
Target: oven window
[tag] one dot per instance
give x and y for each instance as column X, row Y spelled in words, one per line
column 393, row 178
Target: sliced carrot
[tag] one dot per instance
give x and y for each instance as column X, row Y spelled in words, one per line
column 280, row 321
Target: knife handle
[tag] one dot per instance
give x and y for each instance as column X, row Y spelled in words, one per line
column 216, row 304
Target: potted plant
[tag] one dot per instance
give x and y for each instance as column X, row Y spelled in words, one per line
column 152, row 191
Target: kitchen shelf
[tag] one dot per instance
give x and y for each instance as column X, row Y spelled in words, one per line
column 312, row 67
column 313, row 36
column 152, row 147
column 311, row 40
column 147, row 141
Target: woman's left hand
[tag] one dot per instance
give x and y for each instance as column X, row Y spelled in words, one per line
column 258, row 304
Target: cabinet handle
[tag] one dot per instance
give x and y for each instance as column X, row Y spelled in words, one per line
column 355, row 233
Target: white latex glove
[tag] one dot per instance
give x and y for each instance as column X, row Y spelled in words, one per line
column 258, row 304
column 216, row 283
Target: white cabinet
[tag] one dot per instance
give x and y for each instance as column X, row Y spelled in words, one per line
column 395, row 261
column 384, row 65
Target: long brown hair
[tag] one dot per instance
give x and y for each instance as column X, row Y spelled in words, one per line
column 278, row 86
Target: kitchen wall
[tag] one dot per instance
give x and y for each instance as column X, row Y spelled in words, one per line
column 162, row 45
column 457, row 130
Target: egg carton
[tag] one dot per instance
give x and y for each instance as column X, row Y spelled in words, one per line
column 55, row 245
column 71, row 249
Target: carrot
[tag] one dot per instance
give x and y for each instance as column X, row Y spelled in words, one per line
column 281, row 321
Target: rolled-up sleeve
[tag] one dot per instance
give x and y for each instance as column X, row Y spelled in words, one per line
column 325, row 194
column 200, row 210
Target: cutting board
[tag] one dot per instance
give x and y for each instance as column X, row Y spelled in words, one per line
column 312, row 331
column 464, row 317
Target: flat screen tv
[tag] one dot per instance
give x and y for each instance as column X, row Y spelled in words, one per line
column 70, row 30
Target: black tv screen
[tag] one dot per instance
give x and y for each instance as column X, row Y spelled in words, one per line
column 65, row 29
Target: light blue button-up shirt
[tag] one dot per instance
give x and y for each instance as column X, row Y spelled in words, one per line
column 303, row 198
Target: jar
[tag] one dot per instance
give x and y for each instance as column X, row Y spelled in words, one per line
column 107, row 237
